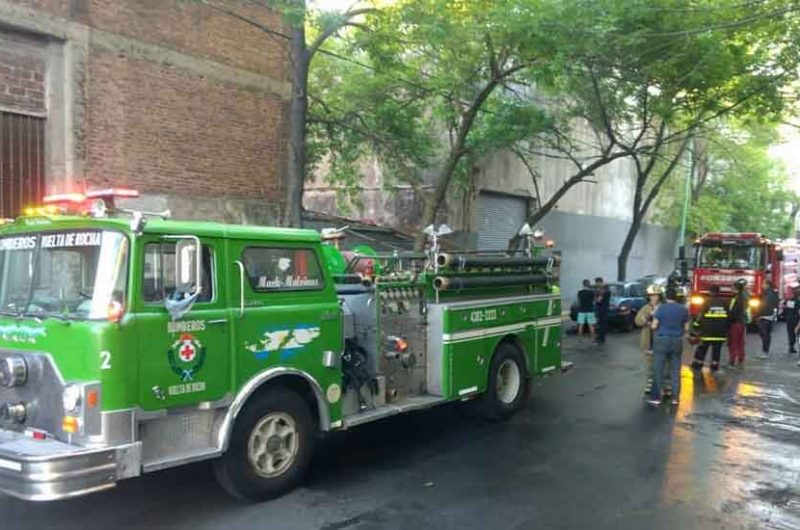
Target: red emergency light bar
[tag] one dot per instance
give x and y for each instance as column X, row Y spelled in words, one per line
column 74, row 198
column 112, row 192
column 731, row 235
column 83, row 202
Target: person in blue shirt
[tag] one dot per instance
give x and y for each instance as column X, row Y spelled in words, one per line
column 670, row 323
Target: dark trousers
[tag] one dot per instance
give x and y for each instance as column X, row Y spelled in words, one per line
column 602, row 325
column 667, row 352
column 736, row 334
column 702, row 350
column 790, row 324
column 765, row 330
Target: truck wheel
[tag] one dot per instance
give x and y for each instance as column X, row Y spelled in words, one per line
column 270, row 449
column 507, row 387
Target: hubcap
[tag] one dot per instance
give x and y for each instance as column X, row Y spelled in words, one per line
column 508, row 381
column 273, row 444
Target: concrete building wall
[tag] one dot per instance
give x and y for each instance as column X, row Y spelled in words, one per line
column 608, row 193
column 589, row 223
column 590, row 244
column 186, row 104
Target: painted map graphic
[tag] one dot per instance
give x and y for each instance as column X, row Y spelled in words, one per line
column 283, row 342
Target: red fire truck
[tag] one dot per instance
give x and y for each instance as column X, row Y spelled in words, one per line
column 722, row 258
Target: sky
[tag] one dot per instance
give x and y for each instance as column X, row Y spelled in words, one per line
column 332, row 5
column 789, row 153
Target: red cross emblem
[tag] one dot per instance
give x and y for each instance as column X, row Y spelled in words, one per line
column 187, row 350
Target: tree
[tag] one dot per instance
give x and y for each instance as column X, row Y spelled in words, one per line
column 467, row 78
column 746, row 189
column 668, row 71
column 320, row 26
column 440, row 84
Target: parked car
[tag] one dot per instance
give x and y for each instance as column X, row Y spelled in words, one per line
column 627, row 298
column 653, row 279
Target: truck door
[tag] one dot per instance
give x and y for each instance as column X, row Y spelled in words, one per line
column 290, row 317
column 183, row 360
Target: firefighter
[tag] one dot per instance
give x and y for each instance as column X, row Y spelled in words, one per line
column 737, row 319
column 655, row 297
column 711, row 330
column 768, row 316
column 792, row 314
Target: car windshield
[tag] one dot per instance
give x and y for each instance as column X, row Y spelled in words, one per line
column 616, row 290
column 728, row 257
column 73, row 274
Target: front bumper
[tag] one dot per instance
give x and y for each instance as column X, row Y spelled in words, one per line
column 43, row 470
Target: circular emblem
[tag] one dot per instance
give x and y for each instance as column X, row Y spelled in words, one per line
column 186, row 356
column 334, row 393
column 186, row 351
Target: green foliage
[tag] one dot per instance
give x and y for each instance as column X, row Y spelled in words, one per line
column 403, row 90
column 531, row 68
column 746, row 191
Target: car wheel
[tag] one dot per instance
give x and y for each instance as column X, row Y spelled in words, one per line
column 507, row 387
column 271, row 447
column 630, row 323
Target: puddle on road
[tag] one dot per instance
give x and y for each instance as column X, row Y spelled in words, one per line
column 736, row 448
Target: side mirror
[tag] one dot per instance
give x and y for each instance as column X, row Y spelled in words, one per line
column 188, row 260
column 188, row 276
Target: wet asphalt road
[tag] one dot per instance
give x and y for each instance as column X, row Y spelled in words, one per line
column 586, row 453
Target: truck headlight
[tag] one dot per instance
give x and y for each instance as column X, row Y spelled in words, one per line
column 71, row 398
column 13, row 371
column 754, row 303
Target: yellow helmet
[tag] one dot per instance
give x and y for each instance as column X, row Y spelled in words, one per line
column 655, row 289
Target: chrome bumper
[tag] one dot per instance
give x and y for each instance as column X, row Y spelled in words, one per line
column 43, row 470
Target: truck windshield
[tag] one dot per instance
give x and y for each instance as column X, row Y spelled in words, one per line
column 76, row 274
column 728, row 257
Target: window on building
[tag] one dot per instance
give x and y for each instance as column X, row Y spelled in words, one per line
column 159, row 273
column 21, row 162
column 279, row 269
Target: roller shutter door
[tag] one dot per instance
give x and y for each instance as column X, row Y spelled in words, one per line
column 499, row 218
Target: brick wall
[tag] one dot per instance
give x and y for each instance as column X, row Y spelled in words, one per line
column 164, row 130
column 22, row 71
column 168, row 96
column 199, row 30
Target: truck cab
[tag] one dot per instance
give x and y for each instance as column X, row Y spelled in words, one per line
column 131, row 343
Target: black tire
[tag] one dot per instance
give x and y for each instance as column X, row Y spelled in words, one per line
column 234, row 470
column 491, row 404
column 630, row 323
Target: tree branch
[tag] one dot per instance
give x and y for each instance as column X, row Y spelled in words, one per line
column 347, row 17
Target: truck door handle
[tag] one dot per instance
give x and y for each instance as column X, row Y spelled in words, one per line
column 217, row 321
column 241, row 288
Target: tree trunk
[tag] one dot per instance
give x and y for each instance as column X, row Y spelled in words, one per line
column 552, row 202
column 700, row 160
column 641, row 204
column 298, row 113
column 793, row 219
column 433, row 203
column 627, row 246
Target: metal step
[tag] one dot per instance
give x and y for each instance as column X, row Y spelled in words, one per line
column 391, row 409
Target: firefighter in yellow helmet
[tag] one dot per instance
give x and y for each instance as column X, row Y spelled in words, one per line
column 710, row 329
column 655, row 297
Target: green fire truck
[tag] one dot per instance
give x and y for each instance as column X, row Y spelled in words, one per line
column 131, row 343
